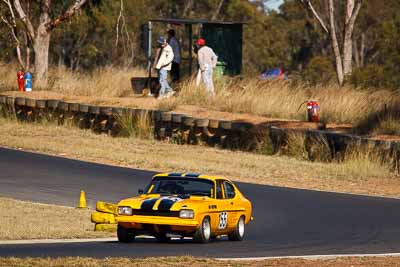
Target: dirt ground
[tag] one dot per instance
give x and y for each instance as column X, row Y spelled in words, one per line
column 386, row 137
column 197, row 262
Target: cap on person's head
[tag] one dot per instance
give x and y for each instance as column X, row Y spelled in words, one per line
column 161, row 40
column 201, row 42
column 171, row 32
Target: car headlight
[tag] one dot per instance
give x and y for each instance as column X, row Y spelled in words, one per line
column 186, row 214
column 124, row 210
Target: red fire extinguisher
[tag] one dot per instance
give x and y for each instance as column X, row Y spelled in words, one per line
column 313, row 110
column 21, row 80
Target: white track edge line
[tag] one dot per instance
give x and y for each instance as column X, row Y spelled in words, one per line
column 311, row 257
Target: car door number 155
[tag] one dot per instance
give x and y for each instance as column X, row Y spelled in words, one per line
column 223, row 220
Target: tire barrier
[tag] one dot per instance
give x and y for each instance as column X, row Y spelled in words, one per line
column 106, row 207
column 101, row 227
column 176, row 122
column 315, row 145
column 99, row 217
column 164, row 131
column 3, row 105
column 104, row 217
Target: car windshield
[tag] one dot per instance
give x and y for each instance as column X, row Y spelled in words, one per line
column 180, row 186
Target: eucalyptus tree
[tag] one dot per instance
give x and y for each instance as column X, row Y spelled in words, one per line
column 330, row 15
column 34, row 22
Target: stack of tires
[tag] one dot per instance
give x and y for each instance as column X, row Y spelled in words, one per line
column 104, row 217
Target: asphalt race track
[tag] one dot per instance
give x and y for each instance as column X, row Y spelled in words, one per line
column 287, row 221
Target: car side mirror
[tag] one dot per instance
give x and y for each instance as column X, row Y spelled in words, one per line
column 140, row 191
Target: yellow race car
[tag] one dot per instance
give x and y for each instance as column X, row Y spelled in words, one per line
column 185, row 205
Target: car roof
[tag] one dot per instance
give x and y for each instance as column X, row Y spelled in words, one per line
column 191, row 175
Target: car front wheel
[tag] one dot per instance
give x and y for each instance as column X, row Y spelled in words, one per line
column 238, row 234
column 125, row 235
column 203, row 234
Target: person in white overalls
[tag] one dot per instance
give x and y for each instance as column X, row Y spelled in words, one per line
column 207, row 62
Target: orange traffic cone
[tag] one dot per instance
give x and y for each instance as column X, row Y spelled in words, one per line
column 82, row 200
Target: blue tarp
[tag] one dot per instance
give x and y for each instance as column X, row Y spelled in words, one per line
column 273, row 74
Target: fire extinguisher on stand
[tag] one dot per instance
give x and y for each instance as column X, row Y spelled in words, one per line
column 313, row 110
column 28, row 81
column 21, row 80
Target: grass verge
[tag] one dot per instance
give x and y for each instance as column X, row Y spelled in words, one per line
column 161, row 156
column 27, row 220
column 197, row 262
column 139, row 125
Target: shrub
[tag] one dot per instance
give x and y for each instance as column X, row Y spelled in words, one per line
column 319, row 71
column 370, row 76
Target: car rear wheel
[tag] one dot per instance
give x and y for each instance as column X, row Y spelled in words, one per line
column 203, row 234
column 238, row 234
column 125, row 235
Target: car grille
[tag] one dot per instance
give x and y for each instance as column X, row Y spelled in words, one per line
column 156, row 213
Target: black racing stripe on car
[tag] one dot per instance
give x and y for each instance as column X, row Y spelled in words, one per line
column 148, row 204
column 166, row 204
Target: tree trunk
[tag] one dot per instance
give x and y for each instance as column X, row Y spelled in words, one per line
column 41, row 49
column 335, row 44
column 347, row 53
column 41, row 46
column 217, row 10
column 356, row 54
column 348, row 40
column 362, row 50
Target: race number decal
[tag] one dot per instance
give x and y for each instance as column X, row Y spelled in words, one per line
column 223, row 220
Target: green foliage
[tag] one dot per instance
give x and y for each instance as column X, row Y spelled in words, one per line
column 319, row 70
column 371, row 76
column 289, row 38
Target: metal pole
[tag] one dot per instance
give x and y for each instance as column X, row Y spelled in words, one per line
column 190, row 49
column 149, row 45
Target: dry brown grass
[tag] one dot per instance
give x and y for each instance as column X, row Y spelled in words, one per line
column 8, row 74
column 282, row 99
column 26, row 220
column 103, row 82
column 137, row 125
column 161, row 156
column 198, row 262
column 367, row 161
column 388, row 125
column 249, row 95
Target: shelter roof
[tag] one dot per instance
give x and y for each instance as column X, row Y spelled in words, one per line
column 195, row 21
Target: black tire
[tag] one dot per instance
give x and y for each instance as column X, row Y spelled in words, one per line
column 203, row 234
column 162, row 237
column 238, row 234
column 125, row 235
